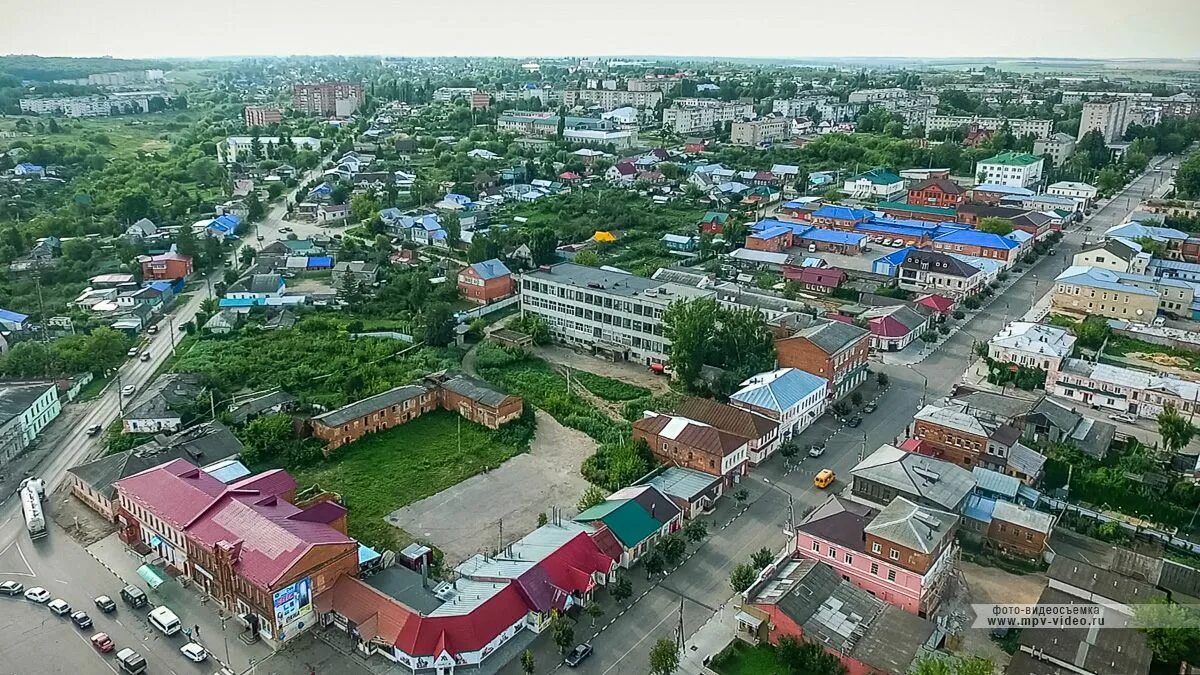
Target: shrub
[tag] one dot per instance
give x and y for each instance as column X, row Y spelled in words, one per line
column 958, row 314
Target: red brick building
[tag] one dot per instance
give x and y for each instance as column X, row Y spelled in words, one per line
column 774, row 240
column 938, row 192
column 165, row 267
column 486, row 281
column 481, row 100
column 833, row 350
column 257, row 116
column 679, row 441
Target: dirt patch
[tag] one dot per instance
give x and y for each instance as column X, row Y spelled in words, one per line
column 1161, row 359
column 618, row 370
column 511, row 496
column 78, row 520
column 976, row 584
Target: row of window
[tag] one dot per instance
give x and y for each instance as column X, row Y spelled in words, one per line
column 570, row 309
column 849, row 559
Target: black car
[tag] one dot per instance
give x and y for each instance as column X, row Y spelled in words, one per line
column 854, row 421
column 869, row 408
column 105, row 604
column 11, row 588
column 81, row 620
column 578, row 654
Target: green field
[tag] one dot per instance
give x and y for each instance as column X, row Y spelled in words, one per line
column 394, row 468
column 740, row 658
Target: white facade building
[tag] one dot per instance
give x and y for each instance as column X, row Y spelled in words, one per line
column 1014, row 169
column 234, row 146
column 1080, row 192
column 789, row 396
column 622, row 140
column 1059, row 146
column 612, row 99
column 26, row 408
column 690, row 115
column 1019, row 127
column 1032, row 345
column 1108, row 116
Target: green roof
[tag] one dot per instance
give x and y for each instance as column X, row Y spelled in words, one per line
column 880, row 177
column 1013, row 159
column 918, row 208
column 627, row 519
column 715, row 217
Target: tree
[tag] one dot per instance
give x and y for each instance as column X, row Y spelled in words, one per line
column 1092, row 332
column 28, row 359
column 1000, row 226
column 364, row 207
column 595, row 611
column 247, row 255
column 255, row 211
column 562, row 631
column 741, row 495
column 621, row 589
column 761, row 558
column 881, row 379
column 206, row 172
column 856, row 398
column 742, row 576
column 589, row 258
column 1187, row 178
column 672, row 548
column 695, row 530
column 527, row 664
column 482, row 248
column 439, row 325
column 948, row 665
column 654, row 563
column 542, row 519
column 592, row 496
column 690, row 326
column 664, row 658
column 1172, row 631
column 543, row 243
column 1175, row 430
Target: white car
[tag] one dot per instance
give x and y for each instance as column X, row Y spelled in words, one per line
column 1124, row 417
column 128, row 390
column 194, row 652
column 59, row 607
column 133, row 351
column 37, row 594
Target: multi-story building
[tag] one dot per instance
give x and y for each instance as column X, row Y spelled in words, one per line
column 941, row 273
column 116, row 103
column 902, row 554
column 167, row 266
column 26, row 408
column 339, row 98
column 978, row 244
column 1032, row 345
column 1136, row 392
column 790, row 396
column 1092, row 291
column 1017, row 169
column 260, row 116
column 890, row 472
column 653, row 83
column 1109, row 116
column 480, row 100
column 876, row 184
column 956, row 436
column 1019, row 127
column 762, row 431
column 447, row 94
column 760, row 131
column 623, row 139
column 680, row 441
column 691, row 115
column 936, row 192
column 828, row 108
column 1058, row 146
column 833, row 350
column 612, row 99
column 486, row 281
column 235, row 148
column 1081, row 192
column 1119, row 255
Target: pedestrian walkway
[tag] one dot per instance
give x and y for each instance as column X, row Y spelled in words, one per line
column 710, row 639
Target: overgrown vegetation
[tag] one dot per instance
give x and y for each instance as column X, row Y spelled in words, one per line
column 607, row 388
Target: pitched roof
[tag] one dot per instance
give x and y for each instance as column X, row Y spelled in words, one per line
column 1085, row 649
column 1012, row 159
column 254, row 406
column 17, row 397
column 915, row 527
column 371, row 404
column 835, row 212
column 1097, row 277
column 692, row 433
column 726, row 417
column 917, row 208
column 840, row 521
column 474, row 389
column 894, row 320
column 779, row 390
column 942, row 263
column 976, row 238
column 167, row 395
column 1035, row 338
column 917, row 476
column 879, row 177
column 626, row 518
column 832, row 337
column 943, row 184
column 177, row 492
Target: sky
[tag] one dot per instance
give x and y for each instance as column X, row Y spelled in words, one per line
column 520, row 28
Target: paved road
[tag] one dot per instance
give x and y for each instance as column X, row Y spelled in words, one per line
column 701, row 583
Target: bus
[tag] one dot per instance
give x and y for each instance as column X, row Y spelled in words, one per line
column 31, row 507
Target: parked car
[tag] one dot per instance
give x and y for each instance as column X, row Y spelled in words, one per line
column 869, row 408
column 815, row 450
column 134, row 596
column 133, row 351
column 94, row 429
column 12, row 588
column 37, row 594
column 102, row 642
column 59, row 607
column 81, row 620
column 1124, row 417
column 578, row 654
column 152, row 330
column 194, row 652
column 105, row 604
column 854, row 421
column 128, row 390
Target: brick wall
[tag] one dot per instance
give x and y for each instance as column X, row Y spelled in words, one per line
column 950, row 444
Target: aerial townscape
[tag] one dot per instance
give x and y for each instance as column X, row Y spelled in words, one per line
column 753, row 363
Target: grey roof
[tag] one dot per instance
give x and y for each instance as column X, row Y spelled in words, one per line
column 476, row 390
column 1062, row 417
column 1026, row 460
column 833, row 336
column 918, row 476
column 1094, row 436
column 202, row 444
column 937, row 261
column 167, row 395
column 366, row 406
column 914, row 527
column 1004, row 407
column 16, row 397
column 893, row 641
column 1111, row 650
column 907, row 316
column 405, row 585
column 995, row 482
column 840, row 521
column 247, row 409
column 681, row 482
column 256, row 283
column 615, row 283
column 1017, row 514
column 1102, row 582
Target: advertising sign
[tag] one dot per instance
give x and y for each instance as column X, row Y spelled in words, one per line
column 293, row 602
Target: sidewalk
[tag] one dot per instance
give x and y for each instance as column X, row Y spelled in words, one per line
column 218, row 631
column 710, row 639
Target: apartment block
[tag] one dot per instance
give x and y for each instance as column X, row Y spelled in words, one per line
column 691, row 115
column 339, row 98
column 760, row 131
column 1134, row 297
column 1059, row 146
column 1109, row 116
column 611, row 99
column 256, row 116
column 1019, row 127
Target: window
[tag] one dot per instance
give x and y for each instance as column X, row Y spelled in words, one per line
column 848, row 559
column 816, row 547
column 891, row 575
column 875, row 547
column 894, row 554
column 875, row 569
column 832, row 552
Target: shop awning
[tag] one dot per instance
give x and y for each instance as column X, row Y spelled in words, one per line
column 366, row 555
column 749, row 620
column 153, row 576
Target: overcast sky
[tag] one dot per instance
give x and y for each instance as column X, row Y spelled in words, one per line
column 768, row 28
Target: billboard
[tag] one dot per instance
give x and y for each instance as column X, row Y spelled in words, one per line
column 293, row 601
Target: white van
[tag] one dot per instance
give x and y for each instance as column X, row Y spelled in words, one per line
column 165, row 620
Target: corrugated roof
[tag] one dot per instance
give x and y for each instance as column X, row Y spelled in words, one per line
column 914, row 527
column 366, row 406
column 779, row 390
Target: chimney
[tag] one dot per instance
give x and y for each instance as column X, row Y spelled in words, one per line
column 424, row 574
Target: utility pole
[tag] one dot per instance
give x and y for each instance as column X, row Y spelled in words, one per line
column 212, row 405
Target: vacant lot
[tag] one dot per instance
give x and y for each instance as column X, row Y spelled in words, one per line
column 393, row 468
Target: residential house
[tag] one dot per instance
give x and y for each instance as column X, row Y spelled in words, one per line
column 807, row 600
column 1179, row 245
column 486, row 281
column 1092, row 291
column 1032, row 345
column 638, row 516
column 253, row 289
column 1081, row 192
column 1137, row 392
column 26, row 408
column 972, row 213
column 713, row 222
column 167, row 266
column 1052, row 422
column 223, row 227
column 894, row 328
column 356, row 271
column 1013, row 530
column 978, row 244
column 272, row 403
column 695, row 492
column 877, row 184
column 1117, row 254
column 890, row 472
column 936, row 192
column 775, row 239
column 1011, row 168
column 679, row 441
column 163, row 405
column 902, row 554
column 678, row 243
column 328, row 214
column 622, row 172
column 940, row 305
column 144, row 228
column 790, row 396
column 762, row 431
column 222, row 322
column 27, row 169
column 14, row 321
column 473, row 399
column 950, row 432
column 819, row 279
column 1034, row 223
column 992, row 194
column 938, row 272
column 833, row 350
column 94, row 482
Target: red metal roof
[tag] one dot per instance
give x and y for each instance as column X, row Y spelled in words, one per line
column 829, row 277
column 938, row 303
column 176, row 492
column 887, row 326
column 571, row 566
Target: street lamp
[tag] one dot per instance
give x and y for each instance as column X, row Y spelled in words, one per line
column 924, row 382
column 791, row 528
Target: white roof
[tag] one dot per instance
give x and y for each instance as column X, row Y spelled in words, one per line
column 1035, row 338
column 1071, row 185
column 1023, row 516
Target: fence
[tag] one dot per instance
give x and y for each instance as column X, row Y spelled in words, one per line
column 484, row 310
column 1063, row 508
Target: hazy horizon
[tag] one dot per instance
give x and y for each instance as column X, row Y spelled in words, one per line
column 863, row 29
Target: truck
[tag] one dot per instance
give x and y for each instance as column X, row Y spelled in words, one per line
column 31, row 507
column 37, row 485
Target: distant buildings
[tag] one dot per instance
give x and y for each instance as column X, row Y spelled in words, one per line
column 1109, row 116
column 691, row 115
column 1059, row 146
column 116, row 103
column 761, row 131
column 1018, row 127
column 235, row 148
column 261, row 116
column 339, row 98
column 609, row 99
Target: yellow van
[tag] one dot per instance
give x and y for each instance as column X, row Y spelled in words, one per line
column 824, row 479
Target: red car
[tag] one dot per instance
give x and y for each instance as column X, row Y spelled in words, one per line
column 102, row 642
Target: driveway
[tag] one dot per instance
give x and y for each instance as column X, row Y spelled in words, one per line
column 512, row 496
column 618, row 370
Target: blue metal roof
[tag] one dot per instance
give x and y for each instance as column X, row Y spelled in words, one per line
column 161, row 286
column 772, row 233
column 779, row 390
column 973, row 238
column 490, row 269
column 366, row 554
column 320, row 261
column 834, row 236
column 897, row 257
column 883, row 228
column 979, row 508
column 767, row 224
column 842, row 213
column 14, row 317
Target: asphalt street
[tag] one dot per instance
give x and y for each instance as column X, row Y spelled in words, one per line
column 701, row 584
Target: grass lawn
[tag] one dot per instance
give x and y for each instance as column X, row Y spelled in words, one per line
column 92, row 389
column 393, row 468
column 740, row 658
column 608, row 388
